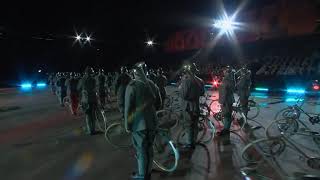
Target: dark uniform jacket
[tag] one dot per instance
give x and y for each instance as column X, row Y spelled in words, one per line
column 87, row 87
column 161, row 82
column 101, row 83
column 61, row 83
column 142, row 99
column 244, row 85
column 226, row 91
column 191, row 89
column 72, row 85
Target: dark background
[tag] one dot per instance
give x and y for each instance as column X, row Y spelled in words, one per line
column 40, row 35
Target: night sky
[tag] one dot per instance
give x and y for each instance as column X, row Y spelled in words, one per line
column 38, row 35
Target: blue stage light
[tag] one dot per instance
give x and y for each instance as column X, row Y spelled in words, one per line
column 26, row 86
column 296, row 91
column 41, row 84
column 261, row 89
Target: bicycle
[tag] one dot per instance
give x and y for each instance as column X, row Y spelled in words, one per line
column 102, row 121
column 289, row 127
column 67, row 103
column 166, row 156
column 101, row 118
column 171, row 113
column 236, row 113
column 291, row 116
column 295, row 112
column 252, row 173
column 205, row 126
column 276, row 145
column 253, row 109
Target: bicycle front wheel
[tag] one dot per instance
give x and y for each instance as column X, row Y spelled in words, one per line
column 255, row 151
column 208, row 131
column 254, row 109
column 166, row 156
column 167, row 119
column 101, row 120
column 66, row 101
column 116, row 135
column 288, row 112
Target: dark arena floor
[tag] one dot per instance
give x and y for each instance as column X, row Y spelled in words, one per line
column 39, row 140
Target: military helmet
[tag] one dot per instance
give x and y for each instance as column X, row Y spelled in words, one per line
column 89, row 70
column 101, row 71
column 160, row 71
column 192, row 68
column 123, row 69
column 140, row 65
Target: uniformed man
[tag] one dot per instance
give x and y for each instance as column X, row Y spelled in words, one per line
column 52, row 82
column 120, row 87
column 191, row 88
column 243, row 87
column 152, row 76
column 161, row 82
column 61, row 86
column 142, row 99
column 226, row 99
column 101, row 80
column 89, row 100
column 72, row 84
column 109, row 83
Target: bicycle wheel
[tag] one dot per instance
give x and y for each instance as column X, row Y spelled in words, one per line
column 255, row 151
column 208, row 131
column 167, row 119
column 282, row 127
column 288, row 112
column 204, row 110
column 101, row 120
column 166, row 156
column 66, row 101
column 254, row 110
column 116, row 135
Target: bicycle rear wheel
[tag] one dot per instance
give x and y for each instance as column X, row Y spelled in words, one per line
column 255, row 151
column 254, row 109
column 116, row 135
column 280, row 127
column 166, row 156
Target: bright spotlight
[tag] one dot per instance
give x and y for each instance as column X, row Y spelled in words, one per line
column 88, row 38
column 226, row 25
column 149, row 43
column 39, row 71
column 78, row 37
